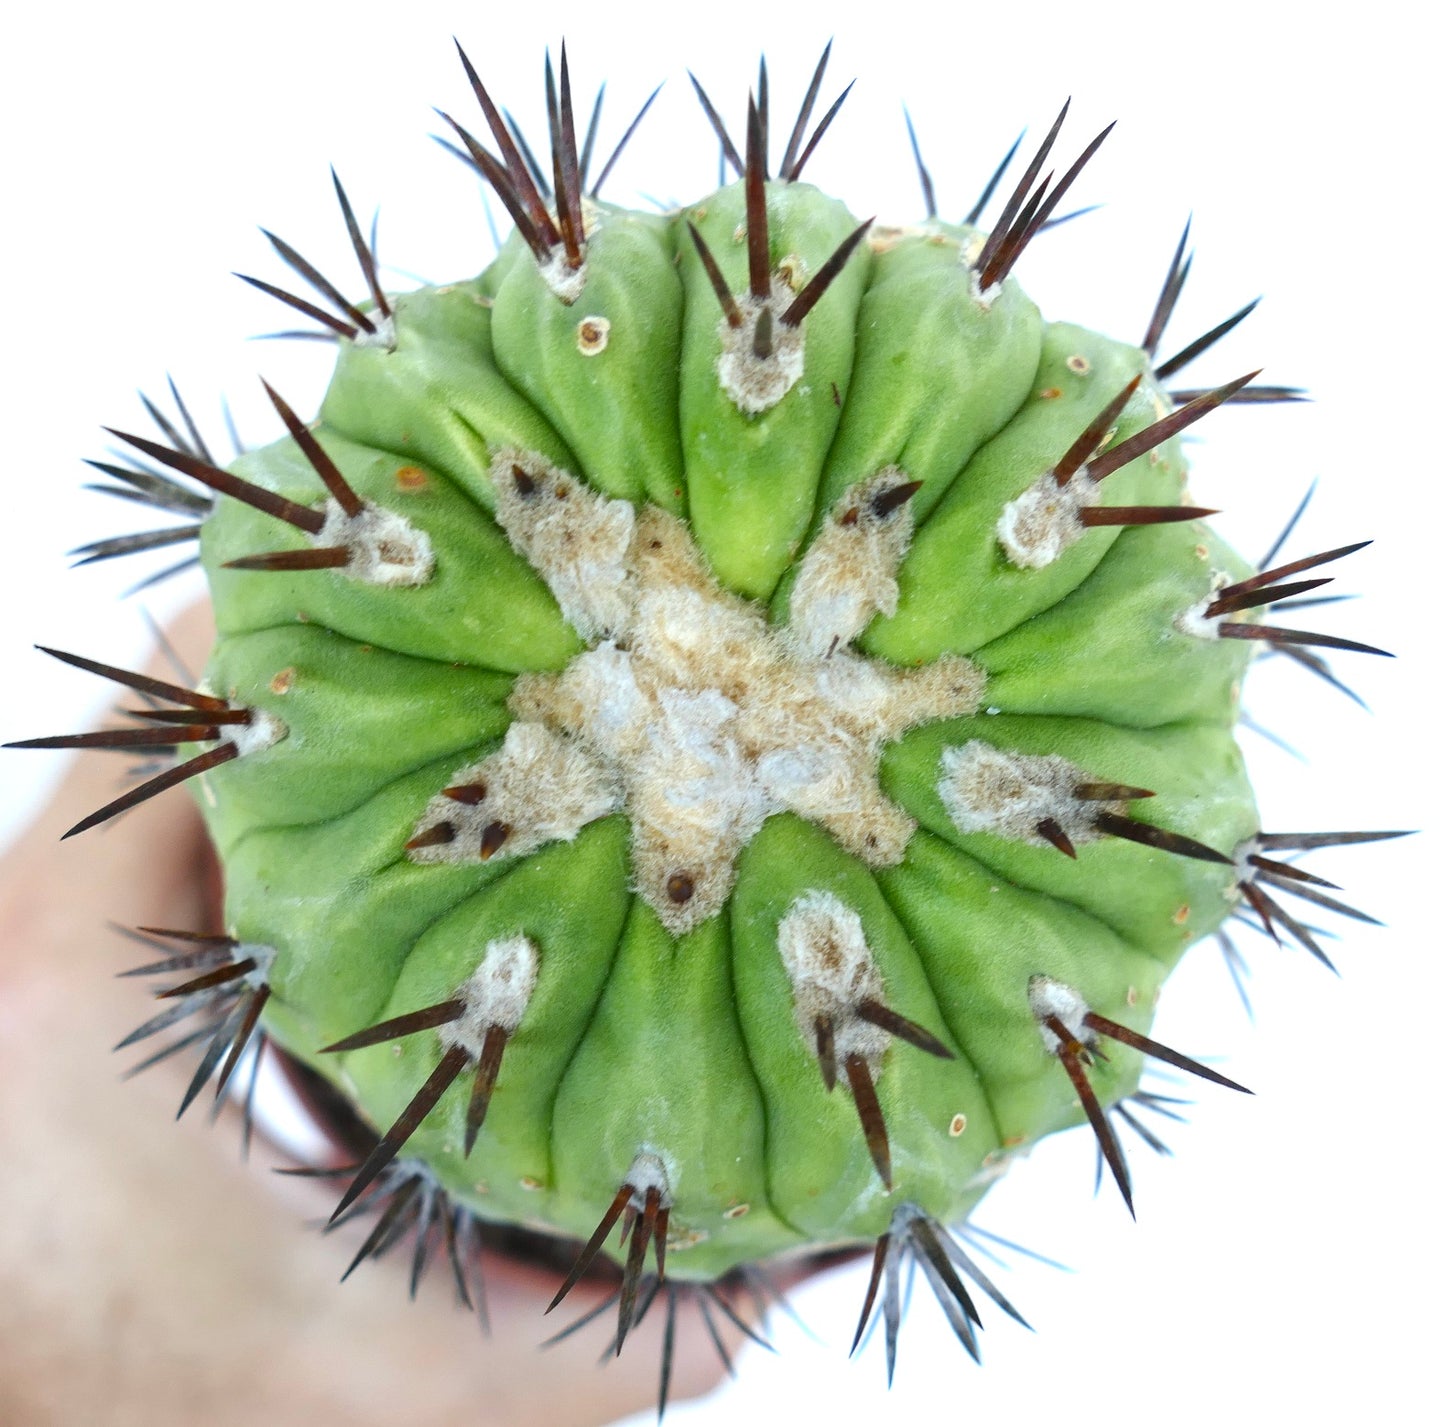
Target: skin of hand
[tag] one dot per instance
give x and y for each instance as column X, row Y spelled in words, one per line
column 147, row 1275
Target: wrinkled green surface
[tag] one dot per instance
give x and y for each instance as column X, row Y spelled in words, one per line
column 688, row 1046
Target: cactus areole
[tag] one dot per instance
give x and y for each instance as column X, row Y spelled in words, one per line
column 722, row 726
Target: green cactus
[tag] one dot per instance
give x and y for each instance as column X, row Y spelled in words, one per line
column 723, row 724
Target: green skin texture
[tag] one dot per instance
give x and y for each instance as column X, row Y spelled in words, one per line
column 687, row 1046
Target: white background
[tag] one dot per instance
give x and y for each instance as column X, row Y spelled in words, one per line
column 1287, row 1258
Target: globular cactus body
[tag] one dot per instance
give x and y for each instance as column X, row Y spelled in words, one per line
column 721, row 721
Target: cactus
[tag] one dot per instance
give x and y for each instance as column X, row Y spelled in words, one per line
column 722, row 726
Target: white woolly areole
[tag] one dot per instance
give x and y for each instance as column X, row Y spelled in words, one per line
column 384, row 336
column 562, row 279
column 578, row 540
column 756, row 383
column 538, row 787
column 988, row 789
column 1243, row 872
column 1195, row 622
column 970, row 249
column 984, row 296
column 263, row 955
column 1039, row 525
column 1048, row 997
column 496, row 994
column 826, row 956
column 260, row 953
column 850, row 572
column 264, row 730
column 647, row 1171
column 384, row 547
column 690, row 710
